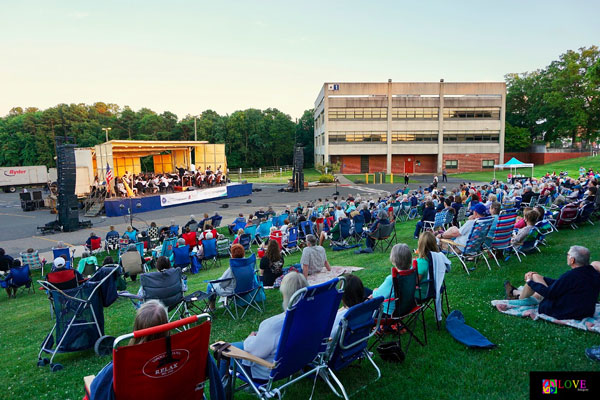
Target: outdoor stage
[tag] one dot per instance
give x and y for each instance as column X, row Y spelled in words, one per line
column 120, row 206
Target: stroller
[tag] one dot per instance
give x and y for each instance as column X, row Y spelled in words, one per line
column 79, row 316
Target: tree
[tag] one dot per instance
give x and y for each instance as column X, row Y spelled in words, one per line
column 515, row 138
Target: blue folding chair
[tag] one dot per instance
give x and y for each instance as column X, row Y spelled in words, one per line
column 245, row 240
column 216, row 220
column 264, row 230
column 211, row 256
column 302, row 344
column 66, row 252
column 438, row 222
column 181, row 257
column 174, row 230
column 359, row 225
column 251, row 230
column 350, row 341
column 167, row 247
column 292, row 240
column 340, row 236
column 306, row 228
column 239, row 223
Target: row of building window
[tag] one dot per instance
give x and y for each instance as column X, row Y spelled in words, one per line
column 416, row 136
column 411, row 113
column 453, row 164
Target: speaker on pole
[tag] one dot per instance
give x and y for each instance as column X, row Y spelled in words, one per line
column 298, row 174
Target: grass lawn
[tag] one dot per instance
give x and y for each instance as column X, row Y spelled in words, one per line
column 310, row 175
column 444, row 369
column 572, row 166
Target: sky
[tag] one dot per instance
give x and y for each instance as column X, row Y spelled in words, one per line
column 189, row 56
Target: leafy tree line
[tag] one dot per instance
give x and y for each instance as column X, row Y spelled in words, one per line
column 253, row 138
column 560, row 101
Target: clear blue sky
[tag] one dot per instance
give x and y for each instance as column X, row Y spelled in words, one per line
column 188, row 56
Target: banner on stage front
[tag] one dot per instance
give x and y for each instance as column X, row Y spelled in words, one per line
column 172, row 199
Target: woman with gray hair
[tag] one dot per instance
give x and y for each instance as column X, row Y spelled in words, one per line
column 382, row 219
column 263, row 343
column 401, row 258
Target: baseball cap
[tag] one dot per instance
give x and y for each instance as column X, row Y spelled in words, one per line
column 479, row 209
column 59, row 262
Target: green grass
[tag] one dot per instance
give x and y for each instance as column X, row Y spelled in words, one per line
column 572, row 166
column 444, row 369
column 310, row 175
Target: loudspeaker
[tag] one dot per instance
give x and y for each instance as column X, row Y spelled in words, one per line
column 25, row 196
column 298, row 174
column 68, row 205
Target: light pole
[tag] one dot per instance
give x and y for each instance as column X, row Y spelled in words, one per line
column 106, row 130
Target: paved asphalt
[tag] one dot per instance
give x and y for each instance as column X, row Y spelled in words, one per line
column 19, row 228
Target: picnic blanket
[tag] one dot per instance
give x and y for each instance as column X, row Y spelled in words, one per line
column 512, row 307
column 325, row 275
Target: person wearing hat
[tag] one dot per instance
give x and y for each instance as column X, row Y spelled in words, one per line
column 461, row 235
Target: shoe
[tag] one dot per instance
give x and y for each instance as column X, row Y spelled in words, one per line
column 593, row 353
column 508, row 289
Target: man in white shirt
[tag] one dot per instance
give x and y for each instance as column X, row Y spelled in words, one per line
column 461, row 235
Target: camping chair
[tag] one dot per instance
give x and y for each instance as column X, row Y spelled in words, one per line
column 216, row 221
column 174, row 231
column 341, row 234
column 544, row 228
column 66, row 252
column 245, row 240
column 461, row 216
column 438, row 222
column 123, row 245
column 238, row 223
column 223, row 246
column 385, row 233
column 278, row 237
column 95, row 246
column 406, row 310
column 499, row 240
column 111, row 243
column 154, row 236
column 351, row 339
column 181, row 257
column 251, row 230
column 264, row 230
column 585, row 213
column 306, row 228
column 473, row 249
column 166, row 249
column 529, row 244
column 302, row 344
column 210, row 253
column 247, row 292
column 567, row 216
column 79, row 316
column 359, row 231
column 18, row 277
column 33, row 260
column 87, row 266
column 132, row 263
column 172, row 367
column 292, row 241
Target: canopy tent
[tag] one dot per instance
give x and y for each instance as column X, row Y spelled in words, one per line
column 513, row 163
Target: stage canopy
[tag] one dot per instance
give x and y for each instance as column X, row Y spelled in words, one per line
column 511, row 164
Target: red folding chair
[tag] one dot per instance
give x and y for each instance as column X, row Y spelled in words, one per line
column 95, row 245
column 277, row 236
column 173, row 367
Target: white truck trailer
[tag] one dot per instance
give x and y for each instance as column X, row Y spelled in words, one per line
column 13, row 177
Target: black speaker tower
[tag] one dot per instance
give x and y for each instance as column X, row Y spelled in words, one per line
column 298, row 174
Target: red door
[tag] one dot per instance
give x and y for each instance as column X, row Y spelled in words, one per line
column 408, row 166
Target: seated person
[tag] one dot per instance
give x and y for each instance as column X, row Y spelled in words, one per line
column 132, row 248
column 428, row 216
column 191, row 223
column 382, row 219
column 189, row 237
column 530, row 218
column 240, row 232
column 427, row 245
column 88, row 242
column 225, row 288
column 401, row 258
column 313, row 257
column 239, row 220
column 86, row 258
column 111, row 234
column 58, row 265
column 10, row 289
column 130, row 234
column 151, row 313
column 264, row 343
column 271, row 265
column 461, row 235
column 354, row 293
column 572, row 296
column 5, row 262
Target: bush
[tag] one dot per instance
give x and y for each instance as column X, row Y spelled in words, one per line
column 326, row 178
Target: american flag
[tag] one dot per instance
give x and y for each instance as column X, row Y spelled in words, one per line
column 109, row 174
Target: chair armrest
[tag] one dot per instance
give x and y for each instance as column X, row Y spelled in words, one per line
column 238, row 354
column 130, row 295
column 453, row 243
column 87, row 383
column 219, row 280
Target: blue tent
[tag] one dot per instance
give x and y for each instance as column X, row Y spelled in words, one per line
column 513, row 163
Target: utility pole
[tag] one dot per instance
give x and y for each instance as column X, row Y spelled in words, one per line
column 106, row 130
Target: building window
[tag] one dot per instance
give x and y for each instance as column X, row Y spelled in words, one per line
column 414, row 136
column 488, row 163
column 357, row 113
column 357, row 137
column 472, row 113
column 471, row 136
column 451, row 164
column 415, row 113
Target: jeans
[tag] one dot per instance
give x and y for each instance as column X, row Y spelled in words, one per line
column 419, row 228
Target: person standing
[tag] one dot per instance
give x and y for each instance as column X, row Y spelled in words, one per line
column 444, row 175
column 406, row 179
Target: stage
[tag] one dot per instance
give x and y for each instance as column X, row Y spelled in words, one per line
column 119, row 206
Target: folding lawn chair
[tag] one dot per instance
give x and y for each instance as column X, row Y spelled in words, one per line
column 302, row 344
column 210, row 253
column 438, row 222
column 174, row 231
column 544, row 228
column 181, row 257
column 359, row 232
column 79, row 316
column 474, row 248
column 406, row 310
column 499, row 240
column 306, row 228
column 166, row 249
column 223, row 246
column 248, row 290
column 350, row 341
column 278, row 237
column 292, row 241
column 567, row 216
column 87, row 266
column 340, row 233
column 132, row 263
column 33, row 260
column 154, row 236
column 432, row 299
column 216, row 220
column 529, row 244
column 95, row 246
column 264, row 230
column 111, row 243
column 385, row 233
column 461, row 216
column 18, row 277
column 251, row 230
column 172, row 367
column 585, row 213
column 65, row 252
column 245, row 241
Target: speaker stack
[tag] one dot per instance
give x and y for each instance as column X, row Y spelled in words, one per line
column 298, row 174
column 68, row 205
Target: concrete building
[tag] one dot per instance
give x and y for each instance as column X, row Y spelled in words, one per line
column 410, row 127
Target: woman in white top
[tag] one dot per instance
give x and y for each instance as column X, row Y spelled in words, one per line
column 264, row 343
